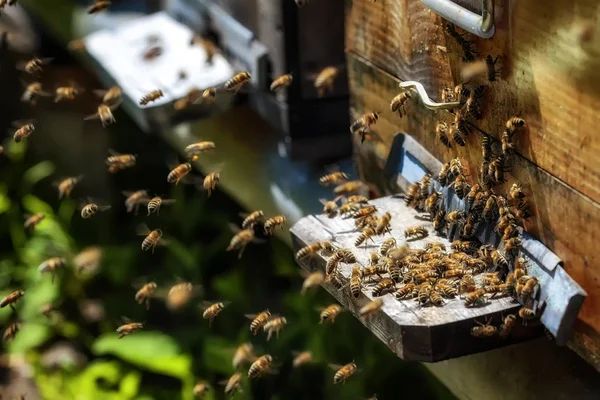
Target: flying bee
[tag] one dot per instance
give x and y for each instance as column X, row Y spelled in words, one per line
column 129, row 328
column 68, row 93
column 513, row 124
column 238, row 80
column 98, row 6
column 330, row 207
column 212, row 310
column 241, row 239
column 193, row 150
column 111, row 97
column 301, row 358
column 471, row 70
column 243, row 354
column 179, row 172
column 523, row 210
column 526, row 314
column 180, row 294
column 355, row 281
column 330, row 312
column 516, row 192
column 491, row 68
column 364, row 236
column 25, row 129
column 144, row 294
column 311, row 281
column 11, row 299
column 11, row 331
column 209, row 95
column 117, row 162
column 258, row 321
column 52, row 265
column 507, row 326
column 151, row 97
column 274, row 325
column 156, row 202
column 313, row 248
column 398, row 102
column 334, row 178
column 348, row 188
column 272, row 223
column 483, row 330
column 260, row 367
column 415, row 232
column 193, row 96
column 281, row 82
column 361, row 125
column 32, row 92
column 252, row 219
column 474, row 298
column 32, row 221
column 88, row 210
column 441, row 130
column 370, row 308
column 384, row 286
column 201, row 388
column 34, row 66
column 325, row 79
column 210, row 182
column 105, row 115
column 209, row 47
column 152, row 237
column 233, row 384
column 88, row 259
column 343, row 372
column 135, row 199
column 387, row 245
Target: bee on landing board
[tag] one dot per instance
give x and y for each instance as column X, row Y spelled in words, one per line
column 238, row 80
column 272, row 223
column 156, row 202
column 343, row 372
column 274, row 325
column 260, row 367
column 117, row 162
column 193, row 150
column 31, row 221
column 258, row 321
column 145, row 293
column 105, row 115
column 11, row 299
column 281, row 82
column 129, row 328
column 32, row 92
column 152, row 238
column 135, row 200
column 24, row 129
column 52, row 265
column 313, row 248
column 325, row 79
column 89, row 209
column 179, row 172
column 363, row 124
column 110, row 97
column 33, row 66
column 243, row 354
column 211, row 181
column 151, row 97
column 241, row 239
column 98, row 6
column 212, row 310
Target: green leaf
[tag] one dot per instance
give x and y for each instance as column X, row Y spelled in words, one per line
column 36, row 295
column 16, row 151
column 5, row 203
column 35, row 174
column 34, row 205
column 130, row 384
column 218, row 354
column 108, row 371
column 231, row 286
column 30, row 336
column 182, row 254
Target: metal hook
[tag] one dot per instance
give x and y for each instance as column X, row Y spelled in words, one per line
column 427, row 102
column 480, row 25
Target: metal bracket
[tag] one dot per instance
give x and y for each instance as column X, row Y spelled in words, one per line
column 480, row 25
column 427, row 102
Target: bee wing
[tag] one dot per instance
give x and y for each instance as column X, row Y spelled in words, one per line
column 323, row 201
column 334, row 367
column 21, row 122
column 250, row 316
column 46, row 60
column 142, row 230
column 100, row 92
column 234, row 228
column 113, row 152
column 104, row 207
column 115, row 105
column 168, row 201
column 21, row 64
column 126, row 320
column 258, row 241
column 93, row 116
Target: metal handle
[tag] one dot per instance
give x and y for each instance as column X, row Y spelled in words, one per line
column 480, row 25
column 427, row 102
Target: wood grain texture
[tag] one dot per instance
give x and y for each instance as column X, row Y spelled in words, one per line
column 550, row 76
column 564, row 220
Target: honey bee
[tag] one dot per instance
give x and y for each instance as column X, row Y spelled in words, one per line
column 47, row 309
column 513, row 124
column 461, row 187
column 32, row 92
column 482, row 330
column 233, row 384
column 333, row 179
column 526, row 313
column 383, row 224
column 358, row 199
column 343, row 373
column 11, row 331
column 364, row 236
column 441, row 131
column 260, row 367
column 281, row 82
column 180, row 294
column 486, row 148
column 193, row 150
column 348, row 208
column 311, row 281
column 34, row 66
column 201, row 388
column 25, row 129
column 241, row 239
column 373, row 258
column 491, row 68
column 152, row 53
column 129, row 328
column 432, row 203
column 90, row 209
column 507, row 145
column 456, row 216
column 210, row 48
column 386, row 246
column 211, row 181
column 348, row 188
column 330, row 312
column 135, row 199
column 258, row 321
column 443, row 175
column 446, row 290
column 179, row 172
column 398, row 102
column 361, row 125
column 252, row 219
column 528, row 289
column 117, row 162
column 405, row 291
column 156, row 202
column 465, row 44
column 507, row 326
column 469, row 227
column 32, row 221
column 329, row 207
column 144, row 294
column 111, row 97
column 313, row 248
column 88, row 259
column 489, row 211
column 436, row 299
column 335, row 280
column 193, row 96
column 151, row 97
column 105, row 115
column 439, row 222
column 272, row 223
column 424, row 291
column 523, row 210
column 67, row 93
column 52, row 265
column 473, row 107
column 474, row 298
column 416, row 232
column 499, row 260
column 512, row 244
column 355, row 281
column 98, row 6
column 152, row 237
column 448, row 95
column 244, row 353
column 325, row 79
column 301, row 358
column 497, row 168
column 516, row 192
column 472, row 195
column 209, row 95
column 211, row 311
column 384, row 286
column 238, row 80
column 275, row 324
column 11, row 299
column 521, row 263
column 76, row 45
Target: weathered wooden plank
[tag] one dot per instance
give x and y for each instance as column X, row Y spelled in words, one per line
column 560, row 213
column 546, row 68
column 412, row 331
